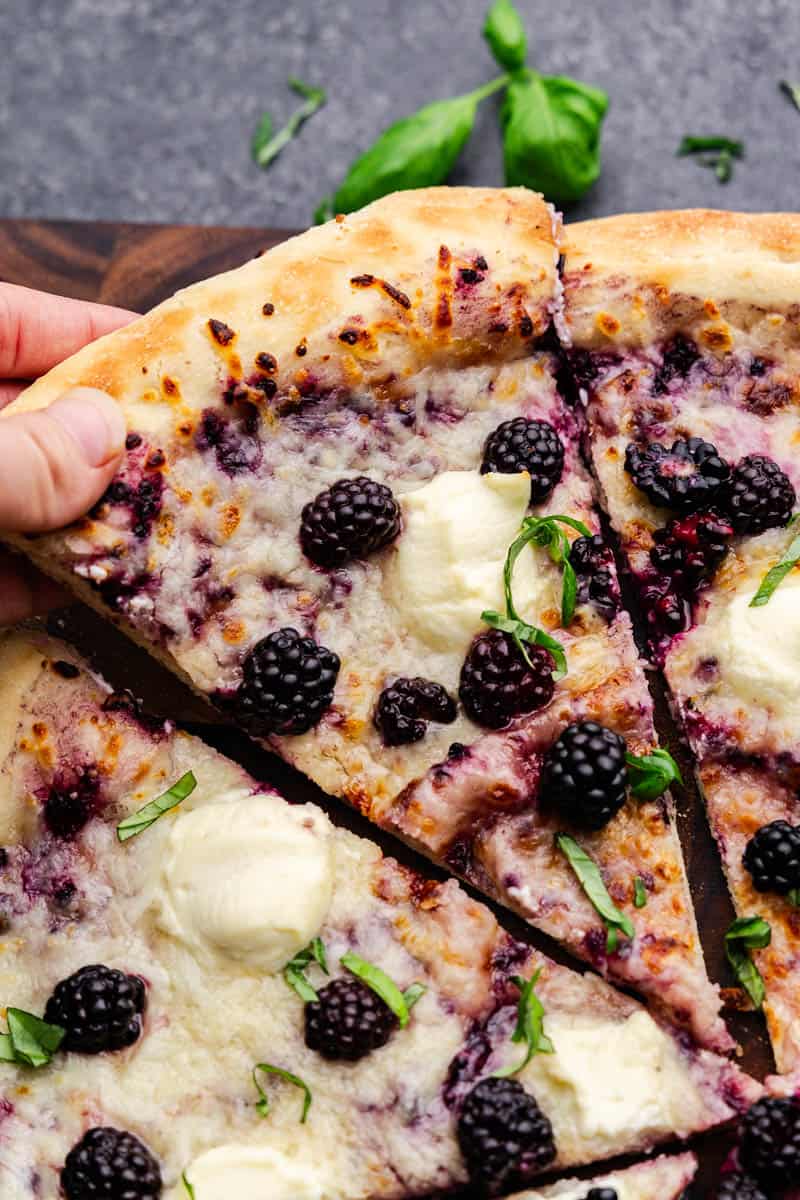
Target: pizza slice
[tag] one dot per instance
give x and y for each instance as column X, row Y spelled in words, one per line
column 663, row 1178
column 210, row 992
column 687, row 346
column 334, row 454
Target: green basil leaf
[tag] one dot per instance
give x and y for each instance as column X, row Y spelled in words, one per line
column 590, row 879
column 639, row 893
column 417, row 151
column 139, row 821
column 793, row 896
column 505, row 33
column 744, row 935
column 776, row 575
column 522, row 633
column 33, row 1040
column 294, row 971
column 189, row 1187
column 530, row 1024
column 700, row 145
column 569, row 593
column 792, row 90
column 324, row 211
column 551, row 134
column 651, row 774
column 7, row 1048
column 381, row 984
column 413, row 993
column 262, row 1105
column 265, row 145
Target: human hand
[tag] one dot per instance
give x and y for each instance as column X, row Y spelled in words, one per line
column 56, row 463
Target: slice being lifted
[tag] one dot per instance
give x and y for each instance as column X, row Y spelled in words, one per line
column 686, row 330
column 330, row 450
column 662, row 1179
column 243, row 996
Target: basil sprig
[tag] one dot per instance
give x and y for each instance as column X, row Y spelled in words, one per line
column 639, row 893
column 530, row 1024
column 294, row 971
column 792, row 90
column 744, row 935
column 139, row 821
column 399, row 1002
column 262, row 1104
column 776, row 575
column 715, row 152
column 266, row 145
column 590, row 879
column 651, row 774
column 505, row 34
column 30, row 1040
column 189, row 1186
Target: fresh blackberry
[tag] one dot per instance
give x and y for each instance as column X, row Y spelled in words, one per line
column 667, row 613
column 772, row 856
column 523, row 445
column 110, row 1164
column 348, row 1020
column 405, row 707
column 592, row 562
column 685, row 477
column 100, row 1008
column 585, row 777
column 504, row 1136
column 602, row 1193
column 679, row 357
column 689, row 549
column 496, row 682
column 351, row 519
column 769, row 1141
column 287, row 684
column 759, row 495
column 739, row 1187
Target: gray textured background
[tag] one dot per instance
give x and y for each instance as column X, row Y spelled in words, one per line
column 143, row 109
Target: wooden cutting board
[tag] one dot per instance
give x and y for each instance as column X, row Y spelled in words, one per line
column 136, row 266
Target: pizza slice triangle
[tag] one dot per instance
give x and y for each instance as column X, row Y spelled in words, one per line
column 211, row 985
column 331, row 452
column 686, row 339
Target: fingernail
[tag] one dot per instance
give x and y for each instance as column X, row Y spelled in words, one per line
column 94, row 420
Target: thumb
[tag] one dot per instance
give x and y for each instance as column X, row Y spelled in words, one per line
column 56, row 462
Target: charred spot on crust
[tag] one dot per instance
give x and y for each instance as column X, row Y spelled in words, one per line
column 365, row 280
column 481, row 263
column 221, row 333
column 444, row 317
column 132, row 441
column 156, row 460
column 268, row 309
column 526, row 327
column 469, row 275
column 267, row 362
column 349, row 336
column 265, row 385
column 301, row 350
column 498, row 327
column 66, row 670
column 400, row 297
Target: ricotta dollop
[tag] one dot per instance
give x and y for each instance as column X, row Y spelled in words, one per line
column 235, row 1172
column 759, row 648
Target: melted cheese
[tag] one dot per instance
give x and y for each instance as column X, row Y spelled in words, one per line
column 253, row 1173
column 759, row 648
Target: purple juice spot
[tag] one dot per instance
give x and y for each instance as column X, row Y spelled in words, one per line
column 232, row 438
column 146, row 504
column 678, row 358
column 116, row 591
column 71, row 802
column 467, row 1065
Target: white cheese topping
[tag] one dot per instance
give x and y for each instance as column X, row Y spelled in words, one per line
column 252, row 1173
column 448, row 566
column 759, row 648
column 249, row 880
column 578, row 1190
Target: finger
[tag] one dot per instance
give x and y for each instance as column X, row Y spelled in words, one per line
column 24, row 592
column 9, row 392
column 56, row 462
column 38, row 330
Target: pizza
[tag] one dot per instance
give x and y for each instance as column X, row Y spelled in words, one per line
column 331, row 452
column 686, row 336
column 210, row 992
column 664, row 1178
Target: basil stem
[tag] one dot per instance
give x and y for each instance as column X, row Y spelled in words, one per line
column 139, row 821
column 265, row 146
column 505, row 35
column 262, row 1105
column 189, row 1187
column 399, row 1002
column 530, row 1024
column 776, row 575
column 792, row 90
column 590, row 879
column 651, row 774
column 639, row 893
column 716, row 152
column 30, row 1040
column 294, row 971
column 744, row 935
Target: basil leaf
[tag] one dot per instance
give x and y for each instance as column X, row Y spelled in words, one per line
column 262, row 1105
column 522, row 633
column 776, row 575
column 505, row 33
column 413, row 993
column 294, row 971
column 33, row 1041
column 792, row 90
column 139, row 821
column 651, row 774
column 265, row 146
column 639, row 893
column 189, row 1187
column 530, row 1024
column 382, row 985
column 699, row 145
column 590, row 879
column 417, row 151
column 7, row 1048
column 744, row 935
column 551, row 134
column 793, row 896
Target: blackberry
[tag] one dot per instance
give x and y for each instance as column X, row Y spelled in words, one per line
column 685, row 477
column 110, row 1164
column 759, row 495
column 772, row 856
column 351, row 519
column 523, row 445
column 769, row 1142
column 739, row 1187
column 667, row 612
column 497, row 684
column 405, row 707
column 348, row 1020
column 585, row 777
column 504, row 1136
column 100, row 1008
column 689, row 549
column 287, row 684
column 592, row 562
column 679, row 357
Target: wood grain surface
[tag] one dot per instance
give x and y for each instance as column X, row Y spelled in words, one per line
column 136, row 266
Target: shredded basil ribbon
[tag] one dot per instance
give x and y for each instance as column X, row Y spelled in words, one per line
column 639, row 893
column 265, row 146
column 30, row 1040
column 744, row 935
column 776, row 575
column 262, row 1105
column 716, row 152
column 294, row 971
column 590, row 879
column 792, row 90
column 139, row 821
column 530, row 1024
column 189, row 1187
column 399, row 1002
column 651, row 774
